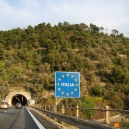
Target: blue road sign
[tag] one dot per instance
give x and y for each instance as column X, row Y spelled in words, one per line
column 67, row 84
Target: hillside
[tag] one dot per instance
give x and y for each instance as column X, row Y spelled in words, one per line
column 29, row 58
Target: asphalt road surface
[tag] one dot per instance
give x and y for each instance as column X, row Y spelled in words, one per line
column 17, row 119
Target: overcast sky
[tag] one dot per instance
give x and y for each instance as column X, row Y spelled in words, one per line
column 110, row 14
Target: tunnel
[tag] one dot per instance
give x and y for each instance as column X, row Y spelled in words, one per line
column 18, row 98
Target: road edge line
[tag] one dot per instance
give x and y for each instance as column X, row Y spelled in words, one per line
column 36, row 121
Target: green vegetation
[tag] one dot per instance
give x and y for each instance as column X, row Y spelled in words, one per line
column 124, row 124
column 87, row 103
column 29, row 58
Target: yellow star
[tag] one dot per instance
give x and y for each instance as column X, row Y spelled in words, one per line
column 58, row 84
column 67, row 94
column 59, row 89
column 62, row 76
column 67, row 74
column 59, row 79
column 75, row 80
column 72, row 76
column 75, row 89
column 62, row 92
column 76, row 84
column 72, row 93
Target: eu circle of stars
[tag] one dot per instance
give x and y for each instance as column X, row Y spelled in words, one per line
column 67, row 84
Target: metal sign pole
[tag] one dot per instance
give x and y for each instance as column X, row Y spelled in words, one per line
column 55, row 107
column 56, row 103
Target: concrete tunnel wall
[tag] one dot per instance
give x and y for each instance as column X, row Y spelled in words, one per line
column 15, row 97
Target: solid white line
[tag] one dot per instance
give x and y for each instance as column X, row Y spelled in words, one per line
column 36, row 121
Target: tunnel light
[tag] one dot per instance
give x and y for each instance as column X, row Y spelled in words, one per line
column 18, row 99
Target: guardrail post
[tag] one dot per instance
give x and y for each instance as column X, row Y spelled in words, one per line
column 77, row 113
column 41, row 108
column 55, row 110
column 63, row 111
column 49, row 109
column 107, row 115
column 45, row 108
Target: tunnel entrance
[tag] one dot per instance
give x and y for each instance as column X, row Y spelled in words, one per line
column 19, row 98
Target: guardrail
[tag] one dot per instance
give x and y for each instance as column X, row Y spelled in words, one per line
column 80, row 123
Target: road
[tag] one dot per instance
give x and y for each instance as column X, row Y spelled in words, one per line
column 17, row 119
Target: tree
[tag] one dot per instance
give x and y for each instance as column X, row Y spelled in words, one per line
column 114, row 31
column 49, row 45
column 115, row 100
column 94, row 27
column 51, row 59
column 37, row 58
column 96, row 90
column 101, row 29
column 29, row 30
column 2, row 52
column 84, row 26
column 89, row 64
column 87, row 102
column 60, row 24
column 77, row 63
column 66, row 24
column 117, row 74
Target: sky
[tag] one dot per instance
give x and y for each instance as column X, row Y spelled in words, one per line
column 109, row 14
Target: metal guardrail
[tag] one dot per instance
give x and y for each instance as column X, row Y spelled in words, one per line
column 80, row 123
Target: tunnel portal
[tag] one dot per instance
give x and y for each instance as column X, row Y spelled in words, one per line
column 19, row 98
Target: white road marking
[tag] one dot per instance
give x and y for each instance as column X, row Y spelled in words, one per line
column 36, row 121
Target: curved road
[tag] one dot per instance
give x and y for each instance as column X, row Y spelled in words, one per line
column 17, row 119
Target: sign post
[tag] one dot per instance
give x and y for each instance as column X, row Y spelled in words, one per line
column 67, row 85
